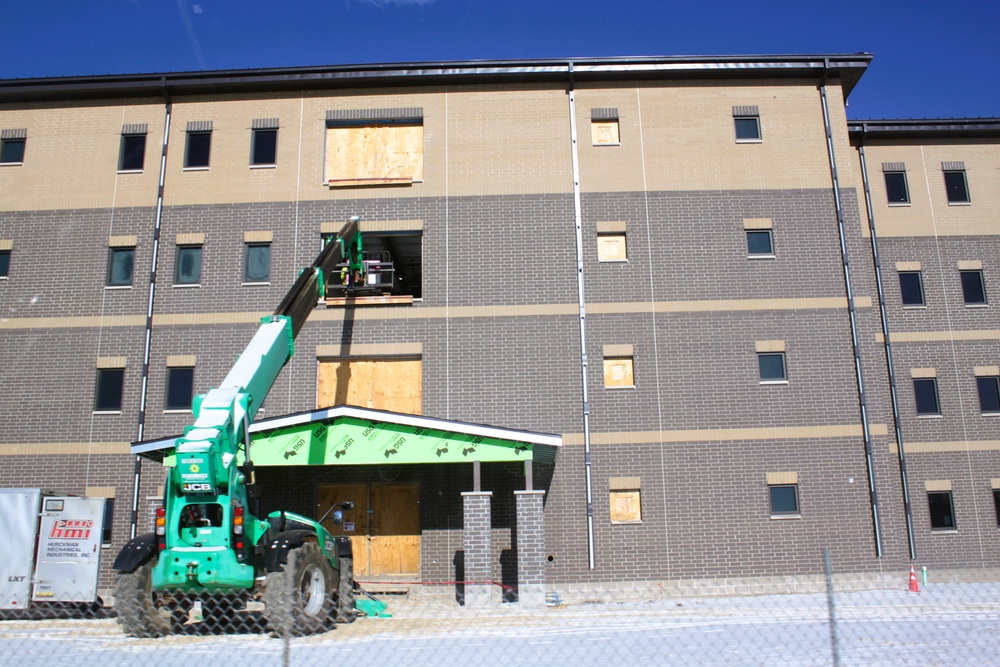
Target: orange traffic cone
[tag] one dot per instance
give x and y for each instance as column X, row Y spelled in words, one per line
column 914, row 588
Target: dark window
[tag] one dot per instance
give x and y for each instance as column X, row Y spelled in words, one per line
column 956, row 187
column 772, row 366
column 257, row 267
column 996, row 504
column 133, row 152
column 120, row 265
column 264, row 148
column 925, row 392
column 972, row 287
column 910, row 288
column 942, row 511
column 12, row 151
column 109, row 519
column 895, row 187
column 4, row 263
column 759, row 242
column 784, row 499
column 747, row 128
column 180, row 388
column 199, row 146
column 110, row 382
column 989, row 394
column 188, row 269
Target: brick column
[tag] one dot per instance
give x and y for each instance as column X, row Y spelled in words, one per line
column 530, row 547
column 478, row 542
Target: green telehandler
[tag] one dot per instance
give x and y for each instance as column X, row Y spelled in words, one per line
column 207, row 544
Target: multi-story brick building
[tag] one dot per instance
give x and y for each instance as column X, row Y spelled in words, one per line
column 668, row 262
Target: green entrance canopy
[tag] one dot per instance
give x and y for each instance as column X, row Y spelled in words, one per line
column 346, row 435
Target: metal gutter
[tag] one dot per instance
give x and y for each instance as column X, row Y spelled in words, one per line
column 848, row 68
column 862, row 131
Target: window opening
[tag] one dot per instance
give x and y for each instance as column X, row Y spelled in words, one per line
column 942, row 510
column 989, row 394
column 12, row 151
column 121, row 262
column 180, row 388
column 956, row 186
column 109, row 520
column 108, row 394
column 973, row 290
column 612, row 248
column 896, row 190
column 264, row 147
column 618, row 372
column 133, row 152
column 392, row 263
column 759, row 243
column 926, row 395
column 188, row 269
column 784, row 499
column 257, row 263
column 198, row 150
column 747, row 128
column 367, row 147
column 771, row 366
column 4, row 263
column 911, row 288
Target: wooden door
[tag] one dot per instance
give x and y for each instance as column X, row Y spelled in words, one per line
column 384, row 526
column 380, row 384
column 356, row 520
column 394, row 547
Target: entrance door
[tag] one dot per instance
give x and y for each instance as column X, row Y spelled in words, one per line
column 379, row 384
column 384, row 526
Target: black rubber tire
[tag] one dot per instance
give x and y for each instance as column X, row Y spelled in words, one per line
column 141, row 612
column 345, row 611
column 298, row 600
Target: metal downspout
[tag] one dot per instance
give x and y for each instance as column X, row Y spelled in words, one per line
column 845, row 263
column 149, row 310
column 907, row 509
column 588, row 462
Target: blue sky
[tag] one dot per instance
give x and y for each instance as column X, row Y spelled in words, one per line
column 933, row 58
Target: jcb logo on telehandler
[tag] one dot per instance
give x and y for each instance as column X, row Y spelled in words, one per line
column 197, row 488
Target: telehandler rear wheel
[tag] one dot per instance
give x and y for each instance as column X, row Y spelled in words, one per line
column 297, row 599
column 143, row 612
column 345, row 592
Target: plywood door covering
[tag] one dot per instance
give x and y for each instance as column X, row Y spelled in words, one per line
column 379, row 384
column 386, row 539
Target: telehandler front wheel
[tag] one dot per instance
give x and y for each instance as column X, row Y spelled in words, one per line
column 143, row 612
column 345, row 592
column 297, row 599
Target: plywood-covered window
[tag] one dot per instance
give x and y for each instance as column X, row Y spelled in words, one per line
column 374, row 147
column 625, row 495
column 611, row 245
column 618, row 367
column 604, row 127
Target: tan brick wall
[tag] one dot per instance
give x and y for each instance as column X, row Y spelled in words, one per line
column 71, row 156
column 929, row 213
column 686, row 138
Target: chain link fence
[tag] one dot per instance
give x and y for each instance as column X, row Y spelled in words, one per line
column 916, row 622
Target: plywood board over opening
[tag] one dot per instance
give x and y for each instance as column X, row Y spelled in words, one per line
column 374, row 154
column 379, row 384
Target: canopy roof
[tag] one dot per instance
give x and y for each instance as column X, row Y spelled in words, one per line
column 347, row 435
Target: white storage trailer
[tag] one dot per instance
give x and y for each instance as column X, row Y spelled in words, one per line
column 51, row 547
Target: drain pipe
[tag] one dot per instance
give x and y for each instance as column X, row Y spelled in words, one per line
column 845, row 263
column 907, row 509
column 577, row 209
column 149, row 309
